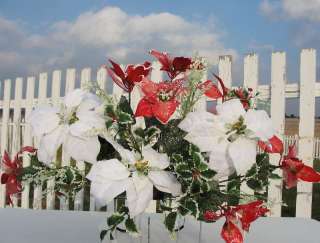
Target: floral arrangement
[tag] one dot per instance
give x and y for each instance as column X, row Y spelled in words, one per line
column 191, row 160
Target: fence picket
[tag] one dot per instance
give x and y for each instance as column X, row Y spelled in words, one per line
column 306, row 126
column 250, row 80
column 4, row 132
column 278, row 85
column 42, row 98
column 28, row 140
column 16, row 141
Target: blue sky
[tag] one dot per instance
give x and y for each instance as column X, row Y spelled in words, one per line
column 39, row 35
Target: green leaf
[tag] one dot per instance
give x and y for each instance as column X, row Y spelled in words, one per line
column 192, row 206
column 125, row 118
column 177, row 158
column 255, row 185
column 115, row 219
column 103, row 234
column 207, row 174
column 202, row 167
column 274, row 176
column 252, row 171
column 131, row 226
column 170, row 221
column 183, row 170
column 195, row 187
column 124, row 105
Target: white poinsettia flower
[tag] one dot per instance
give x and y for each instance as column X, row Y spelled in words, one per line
column 230, row 136
column 134, row 174
column 68, row 126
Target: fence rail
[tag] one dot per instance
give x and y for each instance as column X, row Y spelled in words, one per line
column 15, row 133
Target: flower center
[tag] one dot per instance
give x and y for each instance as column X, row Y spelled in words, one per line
column 238, row 127
column 164, row 95
column 73, row 118
column 142, row 166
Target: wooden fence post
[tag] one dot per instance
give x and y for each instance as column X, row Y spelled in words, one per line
column 306, row 126
column 28, row 139
column 4, row 132
column 278, row 103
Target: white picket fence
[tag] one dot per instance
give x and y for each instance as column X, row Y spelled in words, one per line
column 15, row 133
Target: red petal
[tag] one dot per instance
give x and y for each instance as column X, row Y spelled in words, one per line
column 144, row 108
column 224, row 88
column 211, row 90
column 28, row 149
column 4, row 178
column 181, row 64
column 117, row 70
column 6, row 159
column 148, row 87
column 117, row 79
column 290, row 179
column 292, row 151
column 275, row 145
column 163, row 58
column 163, row 110
column 308, row 174
column 231, row 233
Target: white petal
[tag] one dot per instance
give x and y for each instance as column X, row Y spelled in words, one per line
column 108, row 170
column 156, row 159
column 243, row 153
column 197, row 120
column 86, row 123
column 260, row 124
column 219, row 160
column 106, row 192
column 90, row 102
column 49, row 145
column 82, row 149
column 165, row 181
column 44, row 119
column 126, row 155
column 230, row 111
column 74, row 98
column 139, row 194
column 203, row 142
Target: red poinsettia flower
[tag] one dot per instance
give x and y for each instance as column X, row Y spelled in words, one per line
column 160, row 99
column 245, row 96
column 231, row 233
column 274, row 145
column 126, row 79
column 241, row 215
column 172, row 65
column 294, row 169
column 210, row 90
column 12, row 169
column 250, row 212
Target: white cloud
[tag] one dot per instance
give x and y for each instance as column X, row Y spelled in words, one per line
column 292, row 9
column 109, row 32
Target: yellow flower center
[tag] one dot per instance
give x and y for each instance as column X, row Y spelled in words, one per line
column 142, row 166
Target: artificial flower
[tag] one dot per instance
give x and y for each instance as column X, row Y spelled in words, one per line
column 244, row 215
column 273, row 145
column 134, row 174
column 294, row 169
column 159, row 100
column 126, row 79
column 11, row 171
column 172, row 65
column 230, row 136
column 210, row 90
column 68, row 126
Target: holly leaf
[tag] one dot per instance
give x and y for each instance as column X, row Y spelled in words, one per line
column 170, row 221
column 131, row 226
